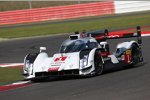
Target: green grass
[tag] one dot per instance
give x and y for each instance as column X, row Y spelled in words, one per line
column 9, row 75
column 67, row 27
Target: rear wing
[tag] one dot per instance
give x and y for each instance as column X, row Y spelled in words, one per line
column 100, row 35
column 104, row 35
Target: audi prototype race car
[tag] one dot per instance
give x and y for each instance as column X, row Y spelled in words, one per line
column 85, row 54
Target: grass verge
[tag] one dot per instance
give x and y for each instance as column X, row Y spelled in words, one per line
column 70, row 26
column 9, row 75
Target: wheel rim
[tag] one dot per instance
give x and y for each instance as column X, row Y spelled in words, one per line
column 98, row 65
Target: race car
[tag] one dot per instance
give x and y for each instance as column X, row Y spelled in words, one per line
column 83, row 54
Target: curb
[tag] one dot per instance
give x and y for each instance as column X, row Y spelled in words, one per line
column 11, row 65
column 15, row 85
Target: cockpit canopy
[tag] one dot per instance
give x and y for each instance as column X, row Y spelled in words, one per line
column 78, row 45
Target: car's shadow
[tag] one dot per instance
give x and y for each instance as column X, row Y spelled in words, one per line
column 64, row 78
column 120, row 68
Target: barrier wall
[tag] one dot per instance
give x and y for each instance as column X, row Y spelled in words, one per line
column 131, row 6
column 53, row 13
column 72, row 11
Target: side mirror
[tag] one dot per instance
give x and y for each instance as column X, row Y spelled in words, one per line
column 105, row 46
column 42, row 49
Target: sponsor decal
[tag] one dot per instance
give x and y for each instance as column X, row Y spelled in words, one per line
column 53, row 69
column 128, row 52
column 60, row 59
column 128, row 56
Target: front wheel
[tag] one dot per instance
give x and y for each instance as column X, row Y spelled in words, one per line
column 98, row 64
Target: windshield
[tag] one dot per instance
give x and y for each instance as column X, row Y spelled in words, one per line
column 72, row 46
column 77, row 45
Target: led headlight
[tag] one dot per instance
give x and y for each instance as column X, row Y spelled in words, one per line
column 28, row 67
column 84, row 61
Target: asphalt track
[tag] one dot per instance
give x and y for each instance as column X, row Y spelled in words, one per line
column 13, row 51
column 116, row 84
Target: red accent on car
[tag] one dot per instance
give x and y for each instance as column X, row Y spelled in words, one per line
column 57, row 59
column 53, row 69
column 99, row 37
column 104, row 54
column 127, row 58
column 63, row 58
column 60, row 59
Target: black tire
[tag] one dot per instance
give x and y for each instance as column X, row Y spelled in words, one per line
column 135, row 54
column 98, row 63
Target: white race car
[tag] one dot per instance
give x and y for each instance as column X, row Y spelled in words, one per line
column 83, row 55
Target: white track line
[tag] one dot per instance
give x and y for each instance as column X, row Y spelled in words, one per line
column 146, row 34
column 11, row 64
column 21, row 82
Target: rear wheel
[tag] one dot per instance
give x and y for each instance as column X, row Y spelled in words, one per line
column 135, row 54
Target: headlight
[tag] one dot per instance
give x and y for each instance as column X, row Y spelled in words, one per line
column 28, row 67
column 84, row 61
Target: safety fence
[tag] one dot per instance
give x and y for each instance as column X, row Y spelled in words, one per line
column 53, row 13
column 72, row 11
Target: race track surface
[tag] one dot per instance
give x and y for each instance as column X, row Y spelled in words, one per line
column 117, row 84
column 14, row 51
